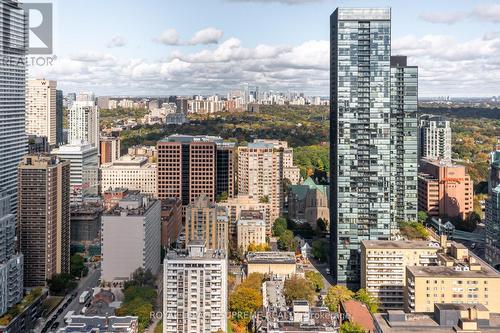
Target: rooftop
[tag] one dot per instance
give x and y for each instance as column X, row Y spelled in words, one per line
column 271, row 257
column 450, row 272
column 197, row 251
column 251, row 215
column 181, row 138
column 130, row 161
column 384, row 244
column 133, row 204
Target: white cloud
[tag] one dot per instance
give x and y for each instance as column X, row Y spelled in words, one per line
column 169, row 37
column 446, row 66
column 202, row 37
column 490, row 12
column 446, row 18
column 206, row 36
column 116, row 41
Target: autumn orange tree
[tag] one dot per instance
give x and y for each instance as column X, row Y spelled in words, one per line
column 245, row 300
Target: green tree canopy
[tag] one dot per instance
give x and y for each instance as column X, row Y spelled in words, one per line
column 319, row 249
column 365, row 297
column 286, row 241
column 279, row 226
column 316, row 279
column 297, row 288
column 348, row 327
column 337, row 294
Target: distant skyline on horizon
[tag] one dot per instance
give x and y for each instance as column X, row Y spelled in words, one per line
column 188, row 47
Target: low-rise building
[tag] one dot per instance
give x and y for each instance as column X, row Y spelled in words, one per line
column 148, row 151
column 131, row 238
column 459, row 277
column 195, row 295
column 271, row 262
column 131, row 172
column 111, row 197
column 251, row 229
column 383, row 267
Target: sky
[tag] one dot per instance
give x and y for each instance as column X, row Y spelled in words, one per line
column 186, row 47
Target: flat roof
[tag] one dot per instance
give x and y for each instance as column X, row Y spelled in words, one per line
column 460, row 306
column 407, row 244
column 271, row 257
column 449, row 272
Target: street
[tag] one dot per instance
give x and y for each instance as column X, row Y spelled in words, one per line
column 86, row 283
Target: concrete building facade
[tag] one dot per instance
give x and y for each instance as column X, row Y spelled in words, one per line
column 109, row 149
column 84, row 168
column 41, row 109
column 383, row 266
column 434, row 137
column 44, row 217
column 195, row 295
column 191, row 166
column 208, row 222
column 131, row 238
column 444, row 189
column 133, row 173
column 84, row 122
column 251, row 229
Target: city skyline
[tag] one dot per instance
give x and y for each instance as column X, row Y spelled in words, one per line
column 224, row 48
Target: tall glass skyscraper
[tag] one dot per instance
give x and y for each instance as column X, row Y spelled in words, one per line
column 13, row 139
column 404, row 138
column 360, row 134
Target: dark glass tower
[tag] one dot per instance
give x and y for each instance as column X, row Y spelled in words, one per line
column 360, row 134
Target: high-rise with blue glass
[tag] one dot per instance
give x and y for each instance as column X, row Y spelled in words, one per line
column 373, row 136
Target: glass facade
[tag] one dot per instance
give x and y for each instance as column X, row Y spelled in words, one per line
column 404, row 132
column 373, row 133
column 13, row 139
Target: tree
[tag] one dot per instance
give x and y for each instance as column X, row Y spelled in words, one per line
column 319, row 249
column 337, row 294
column 221, row 197
column 298, row 288
column 61, row 284
column 258, row 247
column 141, row 278
column 322, row 224
column 264, row 199
column 246, row 299
column 316, row 280
column 366, row 298
column 348, row 327
column 286, row 241
column 279, row 226
column 77, row 266
column 422, row 216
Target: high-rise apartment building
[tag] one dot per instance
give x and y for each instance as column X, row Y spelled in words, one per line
column 261, row 169
column 404, row 141
column 44, row 217
column 494, row 172
column 131, row 238
column 444, row 189
column 11, row 262
column 434, row 137
column 492, row 214
column 191, row 166
column 109, row 149
column 13, row 139
column 195, row 290
column 131, row 172
column 59, row 117
column 41, row 116
column 84, row 122
column 243, row 202
column 360, row 134
column 84, row 168
column 208, row 222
